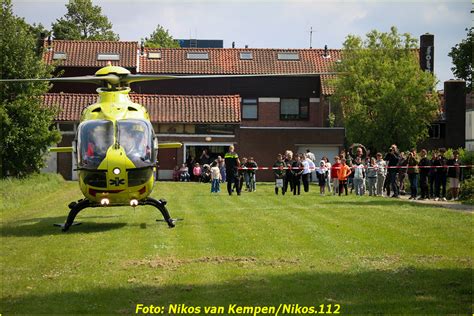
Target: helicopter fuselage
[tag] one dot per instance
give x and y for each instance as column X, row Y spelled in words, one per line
column 116, row 150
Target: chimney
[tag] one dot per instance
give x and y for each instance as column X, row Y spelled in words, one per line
column 246, row 46
column 142, row 47
column 233, row 44
column 427, row 52
column 50, row 42
column 326, row 52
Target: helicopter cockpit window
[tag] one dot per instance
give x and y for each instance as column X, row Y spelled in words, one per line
column 136, row 138
column 95, row 138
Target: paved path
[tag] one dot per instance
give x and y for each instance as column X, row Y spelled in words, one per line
column 453, row 205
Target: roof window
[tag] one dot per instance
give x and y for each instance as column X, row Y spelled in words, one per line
column 59, row 56
column 198, row 55
column 108, row 56
column 154, row 55
column 288, row 56
column 246, row 55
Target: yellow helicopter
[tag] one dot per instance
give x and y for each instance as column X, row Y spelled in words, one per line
column 116, row 146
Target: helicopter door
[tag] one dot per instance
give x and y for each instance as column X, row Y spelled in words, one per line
column 94, row 139
column 136, row 138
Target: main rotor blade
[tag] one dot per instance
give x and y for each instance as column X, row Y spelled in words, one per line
column 137, row 78
column 98, row 80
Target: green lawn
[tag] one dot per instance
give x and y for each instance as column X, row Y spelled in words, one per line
column 370, row 255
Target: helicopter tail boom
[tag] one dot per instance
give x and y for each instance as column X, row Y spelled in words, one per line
column 61, row 149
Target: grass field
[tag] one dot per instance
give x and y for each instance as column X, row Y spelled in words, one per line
column 370, row 255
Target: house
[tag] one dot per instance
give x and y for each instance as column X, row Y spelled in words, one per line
column 469, row 122
column 275, row 112
column 450, row 129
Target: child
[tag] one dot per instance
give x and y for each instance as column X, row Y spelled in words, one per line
column 197, row 172
column 321, row 175
column 251, row 172
column 334, row 170
column 215, row 177
column 184, row 173
column 359, row 177
column 280, row 174
column 381, row 174
column 372, row 177
column 342, row 175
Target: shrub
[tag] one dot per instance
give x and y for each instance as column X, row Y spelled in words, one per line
column 467, row 191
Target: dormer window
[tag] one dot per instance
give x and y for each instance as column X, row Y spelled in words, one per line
column 288, row 56
column 108, row 56
column 198, row 55
column 59, row 56
column 246, row 55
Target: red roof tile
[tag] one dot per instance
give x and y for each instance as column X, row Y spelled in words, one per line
column 84, row 53
column 227, row 61
column 162, row 108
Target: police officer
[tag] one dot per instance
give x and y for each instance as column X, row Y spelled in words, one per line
column 232, row 164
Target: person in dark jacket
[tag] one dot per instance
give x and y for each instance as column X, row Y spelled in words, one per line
column 392, row 158
column 432, row 174
column 440, row 179
column 232, row 164
column 297, row 170
column 424, row 174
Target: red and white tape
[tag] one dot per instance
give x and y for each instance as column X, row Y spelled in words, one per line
column 361, row 166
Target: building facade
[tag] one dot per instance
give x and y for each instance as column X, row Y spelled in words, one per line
column 261, row 116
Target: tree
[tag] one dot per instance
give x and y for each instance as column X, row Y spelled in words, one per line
column 25, row 132
column 382, row 95
column 161, row 38
column 83, row 21
column 462, row 58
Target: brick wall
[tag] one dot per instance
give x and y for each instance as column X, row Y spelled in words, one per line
column 265, row 144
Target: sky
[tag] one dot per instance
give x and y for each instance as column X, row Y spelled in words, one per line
column 277, row 24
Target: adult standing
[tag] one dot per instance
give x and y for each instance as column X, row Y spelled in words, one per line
column 413, row 173
column 308, row 166
column 440, row 178
column 232, row 164
column 424, row 174
column 312, row 157
column 454, row 175
column 289, row 174
column 392, row 157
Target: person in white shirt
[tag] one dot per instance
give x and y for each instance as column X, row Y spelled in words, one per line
column 328, row 167
column 308, row 165
column 311, row 156
column 215, row 177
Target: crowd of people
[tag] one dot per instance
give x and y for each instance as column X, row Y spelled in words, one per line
column 230, row 169
column 359, row 172
column 381, row 175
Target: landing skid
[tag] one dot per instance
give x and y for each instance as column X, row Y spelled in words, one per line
column 76, row 207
